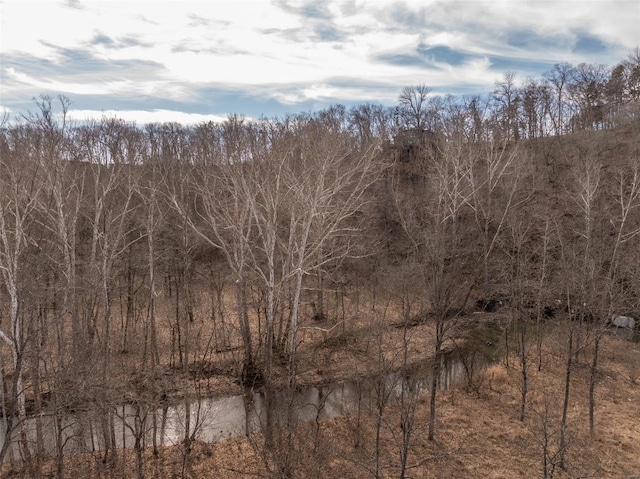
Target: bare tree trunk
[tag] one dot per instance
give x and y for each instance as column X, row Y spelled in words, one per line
column 106, row 304
column 129, row 307
column 565, row 406
column 248, row 370
column 320, row 297
column 523, row 365
column 408, row 400
column 435, row 373
column 155, row 357
column 592, row 384
column 59, row 445
column 293, row 346
column 37, row 395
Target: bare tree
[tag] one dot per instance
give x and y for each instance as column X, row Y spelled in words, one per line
column 212, row 203
column 608, row 295
column 147, row 189
column 59, row 213
column 587, row 90
column 110, row 231
column 327, row 185
column 413, row 107
column 20, row 189
column 520, row 276
column 507, row 98
column 432, row 218
column 536, row 99
column 370, row 122
column 559, row 78
column 494, row 171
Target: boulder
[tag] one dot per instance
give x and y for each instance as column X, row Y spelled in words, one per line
column 623, row 322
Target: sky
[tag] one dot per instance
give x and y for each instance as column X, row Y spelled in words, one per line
column 194, row 61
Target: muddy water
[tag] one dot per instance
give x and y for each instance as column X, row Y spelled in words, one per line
column 215, row 419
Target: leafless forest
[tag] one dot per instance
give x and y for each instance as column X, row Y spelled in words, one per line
column 141, row 263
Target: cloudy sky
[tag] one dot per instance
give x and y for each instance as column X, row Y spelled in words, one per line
column 151, row 60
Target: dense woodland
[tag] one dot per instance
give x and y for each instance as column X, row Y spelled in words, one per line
column 135, row 255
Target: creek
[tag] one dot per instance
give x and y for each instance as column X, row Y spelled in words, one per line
column 217, row 418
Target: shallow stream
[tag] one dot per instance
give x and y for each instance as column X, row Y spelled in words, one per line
column 218, row 418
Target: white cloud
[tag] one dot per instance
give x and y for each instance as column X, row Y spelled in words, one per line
column 145, row 116
column 97, row 86
column 246, row 45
